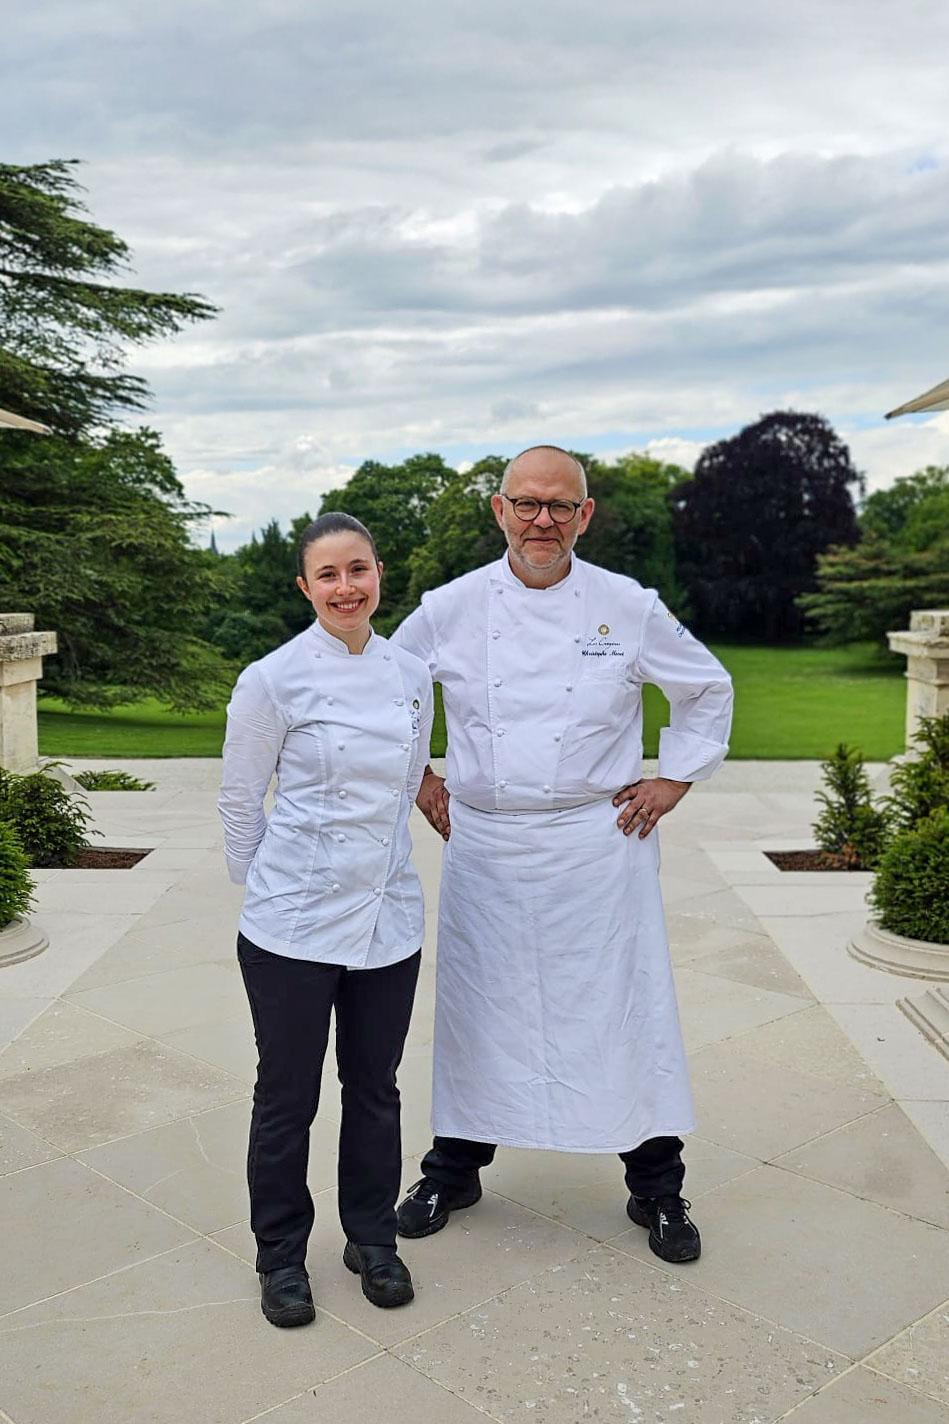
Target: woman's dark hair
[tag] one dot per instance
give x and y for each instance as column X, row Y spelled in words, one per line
column 334, row 523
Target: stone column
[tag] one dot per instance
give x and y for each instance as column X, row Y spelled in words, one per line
column 925, row 645
column 21, row 666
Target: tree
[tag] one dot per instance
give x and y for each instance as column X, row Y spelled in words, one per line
column 64, row 324
column 901, row 564
column 95, row 529
column 887, row 511
column 751, row 523
column 263, row 607
column 632, row 530
column 96, row 539
column 462, row 531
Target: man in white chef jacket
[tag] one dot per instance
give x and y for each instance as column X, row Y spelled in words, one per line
column 556, row 1023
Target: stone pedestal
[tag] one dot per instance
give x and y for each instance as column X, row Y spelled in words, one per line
column 925, row 645
column 21, row 666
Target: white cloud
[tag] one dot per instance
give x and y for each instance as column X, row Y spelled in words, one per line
column 467, row 228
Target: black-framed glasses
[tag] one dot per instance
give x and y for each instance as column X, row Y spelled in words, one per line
column 561, row 511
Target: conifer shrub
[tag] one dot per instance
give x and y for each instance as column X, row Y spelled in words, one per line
column 850, row 825
column 48, row 821
column 16, row 883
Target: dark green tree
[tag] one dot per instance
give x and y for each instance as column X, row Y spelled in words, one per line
column 65, row 324
column 462, row 531
column 902, row 563
column 263, row 605
column 631, row 532
column 95, row 529
column 95, row 538
column 751, row 523
column 886, row 512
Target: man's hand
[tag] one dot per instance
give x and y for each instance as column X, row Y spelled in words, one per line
column 432, row 800
column 646, row 801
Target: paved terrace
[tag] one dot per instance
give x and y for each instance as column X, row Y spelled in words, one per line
column 818, row 1175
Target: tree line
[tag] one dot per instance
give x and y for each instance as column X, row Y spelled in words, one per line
column 769, row 538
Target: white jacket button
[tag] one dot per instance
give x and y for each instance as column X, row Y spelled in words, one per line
column 500, row 732
column 495, row 634
column 342, row 796
column 569, row 686
column 394, row 791
column 400, row 701
column 556, row 736
column 341, row 746
column 497, row 682
column 340, row 836
column 335, row 886
column 329, row 701
column 502, row 784
column 405, row 746
column 546, row 788
column 376, row 890
column 385, row 840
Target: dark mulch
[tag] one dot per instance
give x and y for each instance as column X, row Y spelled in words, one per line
column 810, row 860
column 107, row 858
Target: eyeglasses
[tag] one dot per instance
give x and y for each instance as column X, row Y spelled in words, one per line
column 561, row 511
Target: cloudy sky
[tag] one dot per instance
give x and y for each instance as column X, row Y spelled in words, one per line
column 467, row 228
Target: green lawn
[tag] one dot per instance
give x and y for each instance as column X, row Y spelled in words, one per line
column 791, row 703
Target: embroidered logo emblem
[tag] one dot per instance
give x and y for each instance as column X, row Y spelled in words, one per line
column 603, row 629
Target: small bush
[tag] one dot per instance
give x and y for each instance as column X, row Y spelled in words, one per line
column 850, row 825
column 16, row 883
column 49, row 823
column 911, row 888
column 921, row 786
column 112, row 781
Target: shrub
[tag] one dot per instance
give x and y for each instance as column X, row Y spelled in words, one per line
column 49, row 823
column 112, row 781
column 16, row 883
column 921, row 786
column 850, row 825
column 911, row 888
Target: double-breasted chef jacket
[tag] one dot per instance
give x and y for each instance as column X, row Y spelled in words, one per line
column 556, row 1018
column 328, row 874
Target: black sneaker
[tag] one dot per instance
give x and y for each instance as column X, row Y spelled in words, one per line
column 429, row 1204
column 672, row 1236
column 285, row 1296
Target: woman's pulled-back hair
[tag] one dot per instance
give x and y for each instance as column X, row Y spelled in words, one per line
column 336, row 522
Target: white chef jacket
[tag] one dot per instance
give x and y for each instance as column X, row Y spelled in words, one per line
column 328, row 874
column 556, row 1023
column 543, row 687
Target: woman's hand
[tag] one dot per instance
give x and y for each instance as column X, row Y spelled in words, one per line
column 646, row 801
column 432, row 800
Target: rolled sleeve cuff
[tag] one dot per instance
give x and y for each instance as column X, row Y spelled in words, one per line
column 686, row 757
column 237, row 869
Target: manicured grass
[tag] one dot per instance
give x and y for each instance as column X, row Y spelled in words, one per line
column 791, row 703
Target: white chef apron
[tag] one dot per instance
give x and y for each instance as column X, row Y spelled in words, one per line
column 556, row 1023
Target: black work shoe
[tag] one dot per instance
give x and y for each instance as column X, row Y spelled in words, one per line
column 429, row 1204
column 285, row 1296
column 385, row 1279
column 672, row 1236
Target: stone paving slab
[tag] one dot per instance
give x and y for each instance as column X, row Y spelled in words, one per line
column 817, row 1171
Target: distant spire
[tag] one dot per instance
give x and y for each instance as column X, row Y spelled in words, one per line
column 213, row 544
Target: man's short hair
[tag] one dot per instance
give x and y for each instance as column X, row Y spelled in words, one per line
column 557, row 449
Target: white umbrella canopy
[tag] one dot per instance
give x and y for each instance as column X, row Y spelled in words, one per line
column 19, row 422
column 936, row 399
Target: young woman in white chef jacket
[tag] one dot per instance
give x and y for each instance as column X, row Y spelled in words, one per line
column 332, row 915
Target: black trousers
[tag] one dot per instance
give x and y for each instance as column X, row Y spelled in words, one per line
column 653, row 1169
column 291, row 1001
